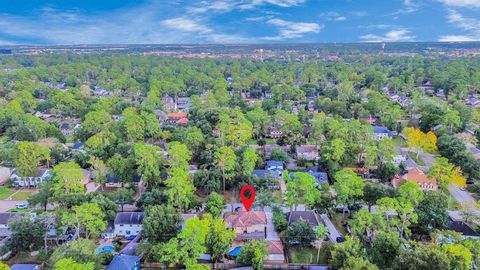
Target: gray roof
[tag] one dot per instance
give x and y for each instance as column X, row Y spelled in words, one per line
column 265, row 173
column 309, row 216
column 320, row 177
column 129, row 218
column 275, row 163
column 6, row 217
column 123, row 262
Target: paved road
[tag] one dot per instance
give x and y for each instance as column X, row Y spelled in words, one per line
column 331, row 228
column 460, row 195
column 271, row 233
column 7, row 204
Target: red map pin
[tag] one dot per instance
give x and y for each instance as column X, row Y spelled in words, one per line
column 247, row 202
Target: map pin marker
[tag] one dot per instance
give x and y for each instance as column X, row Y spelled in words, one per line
column 247, row 202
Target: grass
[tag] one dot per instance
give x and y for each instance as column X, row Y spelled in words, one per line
column 15, row 210
column 5, row 193
column 337, row 221
column 21, row 196
column 399, row 141
column 418, row 160
column 305, row 255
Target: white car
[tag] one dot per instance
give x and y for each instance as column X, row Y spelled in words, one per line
column 21, row 205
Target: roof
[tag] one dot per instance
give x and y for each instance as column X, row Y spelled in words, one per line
column 320, row 177
column 307, row 148
column 129, row 218
column 64, row 126
column 381, row 129
column 6, row 217
column 24, row 267
column 246, row 219
column 274, row 163
column 275, row 247
column 309, row 216
column 123, row 262
column 265, row 173
column 183, row 120
column 177, row 115
column 78, row 145
column 462, row 227
column 418, row 176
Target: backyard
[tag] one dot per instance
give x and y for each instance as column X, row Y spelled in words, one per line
column 305, row 255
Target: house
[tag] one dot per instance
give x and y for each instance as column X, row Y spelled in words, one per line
column 308, row 152
column 472, row 101
column 269, row 148
column 183, row 103
column 30, row 181
column 19, row 266
column 177, row 118
column 275, row 165
column 276, row 252
column 381, row 132
column 248, row 225
column 113, row 181
column 66, row 130
column 418, row 176
column 5, row 218
column 461, row 227
column 169, row 103
column 399, row 158
column 128, row 223
column 320, row 177
column 274, row 133
column 309, row 216
column 161, row 116
column 474, row 150
column 124, row 262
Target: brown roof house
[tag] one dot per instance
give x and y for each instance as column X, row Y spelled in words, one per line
column 418, row 176
column 248, row 225
column 276, row 252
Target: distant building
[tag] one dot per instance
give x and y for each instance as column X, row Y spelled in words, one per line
column 177, row 118
column 381, row 132
column 308, row 152
column 308, row 216
column 274, row 133
column 128, row 223
column 248, row 225
column 418, row 176
column 124, row 262
column 269, row 148
column 30, row 181
column 183, row 103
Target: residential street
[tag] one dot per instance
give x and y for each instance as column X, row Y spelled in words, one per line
column 460, row 195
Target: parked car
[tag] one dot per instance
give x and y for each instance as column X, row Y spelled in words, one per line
column 340, row 239
column 131, row 237
column 21, row 205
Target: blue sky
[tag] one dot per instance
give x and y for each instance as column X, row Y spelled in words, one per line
column 236, row 21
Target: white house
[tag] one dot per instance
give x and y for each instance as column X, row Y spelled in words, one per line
column 30, row 181
column 128, row 223
column 381, row 132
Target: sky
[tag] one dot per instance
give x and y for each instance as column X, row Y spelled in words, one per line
column 65, row 22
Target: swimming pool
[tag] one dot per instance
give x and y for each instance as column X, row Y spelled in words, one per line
column 104, row 249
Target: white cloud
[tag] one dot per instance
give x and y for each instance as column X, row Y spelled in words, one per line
column 462, row 3
column 471, row 27
column 289, row 30
column 409, row 6
column 397, row 35
column 216, row 6
column 332, row 16
column 187, row 25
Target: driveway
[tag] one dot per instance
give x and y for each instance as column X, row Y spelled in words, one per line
column 460, row 195
column 331, row 228
column 271, row 233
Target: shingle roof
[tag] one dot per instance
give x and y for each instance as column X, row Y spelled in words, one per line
column 418, row 176
column 123, row 262
column 381, row 129
column 462, row 227
column 275, row 247
column 6, row 217
column 309, row 216
column 274, row 163
column 246, row 219
column 129, row 218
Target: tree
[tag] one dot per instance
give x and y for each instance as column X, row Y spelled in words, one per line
column 99, row 170
column 122, row 196
column 215, row 204
column 386, row 248
column 421, row 257
column 249, row 160
column 349, row 249
column 179, row 156
column 432, row 212
column 67, row 177
column 386, row 150
column 87, row 218
column 180, row 188
column 460, row 256
column 321, row 231
column 219, row 239
column 373, row 191
column 149, row 160
column 280, row 222
column 253, row 253
column 226, row 160
column 69, row 263
column 278, row 154
column 27, row 233
column 358, row 264
column 44, row 194
column 4, row 266
column 325, row 201
column 334, row 150
column 386, row 171
column 300, row 233
column 411, row 192
column 349, row 188
column 80, row 250
column 446, row 173
column 29, row 156
column 161, row 223
column 302, row 188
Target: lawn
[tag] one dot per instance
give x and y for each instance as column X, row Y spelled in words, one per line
column 399, row 141
column 337, row 221
column 21, row 195
column 15, row 210
column 5, row 193
column 305, row 255
column 418, row 160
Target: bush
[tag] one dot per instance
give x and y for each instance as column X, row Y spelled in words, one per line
column 279, row 220
column 105, row 258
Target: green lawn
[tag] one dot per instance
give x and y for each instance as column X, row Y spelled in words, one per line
column 418, row 160
column 305, row 255
column 5, row 193
column 15, row 210
column 21, row 196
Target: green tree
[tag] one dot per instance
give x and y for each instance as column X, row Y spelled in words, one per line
column 411, row 192
column 80, row 250
column 300, row 233
column 302, row 188
column 249, row 160
column 219, row 239
column 122, row 196
column 215, row 204
column 180, row 188
column 149, row 160
column 358, row 264
column 69, row 263
column 161, row 223
column 4, row 266
column 27, row 233
column 349, row 249
column 29, row 156
column 432, row 212
column 99, row 170
column 349, row 188
column 179, row 156
column 226, row 161
column 67, row 177
column 43, row 196
column 253, row 253
column 386, row 248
